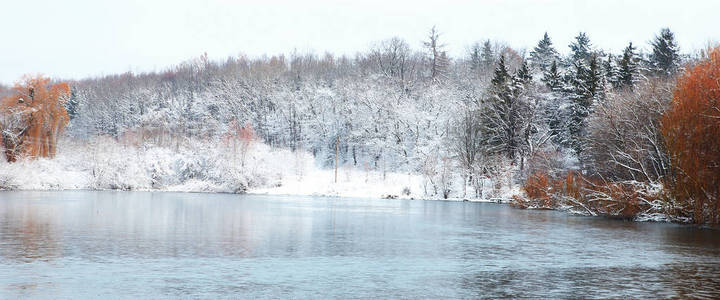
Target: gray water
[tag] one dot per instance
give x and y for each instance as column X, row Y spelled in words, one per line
column 168, row 245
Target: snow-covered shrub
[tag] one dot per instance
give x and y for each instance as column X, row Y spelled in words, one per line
column 118, row 167
column 8, row 181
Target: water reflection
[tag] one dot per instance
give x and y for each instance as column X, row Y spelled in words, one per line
column 90, row 244
column 30, row 238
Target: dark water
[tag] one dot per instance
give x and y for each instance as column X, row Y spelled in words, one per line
column 170, row 245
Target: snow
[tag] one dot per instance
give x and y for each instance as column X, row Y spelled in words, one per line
column 351, row 183
column 203, row 166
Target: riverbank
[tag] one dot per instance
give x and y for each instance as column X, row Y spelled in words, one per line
column 198, row 166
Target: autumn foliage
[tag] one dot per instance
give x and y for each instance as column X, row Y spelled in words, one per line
column 32, row 117
column 593, row 196
column 691, row 128
column 540, row 187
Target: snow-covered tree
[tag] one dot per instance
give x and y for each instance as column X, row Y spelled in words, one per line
column 438, row 59
column 543, row 55
column 581, row 49
column 628, row 68
column 665, row 57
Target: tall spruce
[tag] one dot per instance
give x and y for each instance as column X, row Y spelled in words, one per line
column 628, row 67
column 476, row 57
column 610, row 71
column 554, row 115
column 585, row 89
column 523, row 75
column 487, row 56
column 501, row 117
column 552, row 78
column 543, row 55
column 665, row 57
column 581, row 49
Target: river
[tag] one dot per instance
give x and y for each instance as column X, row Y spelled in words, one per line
column 88, row 244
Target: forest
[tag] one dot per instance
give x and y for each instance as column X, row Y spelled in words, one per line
column 634, row 134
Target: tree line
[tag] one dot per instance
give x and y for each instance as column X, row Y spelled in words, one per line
column 591, row 115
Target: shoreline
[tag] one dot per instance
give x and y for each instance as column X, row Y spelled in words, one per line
column 254, row 193
column 568, row 210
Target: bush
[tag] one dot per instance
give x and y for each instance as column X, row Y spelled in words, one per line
column 591, row 196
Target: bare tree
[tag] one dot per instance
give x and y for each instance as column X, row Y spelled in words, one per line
column 625, row 142
column 439, row 60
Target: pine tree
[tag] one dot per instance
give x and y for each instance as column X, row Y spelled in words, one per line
column 581, row 49
column 552, row 78
column 554, row 114
column 585, row 90
column 611, row 72
column 664, row 59
column 577, row 111
column 476, row 57
column 487, row 56
column 543, row 55
column 501, row 79
column 627, row 73
column 595, row 91
column 523, row 74
column 71, row 105
column 501, row 117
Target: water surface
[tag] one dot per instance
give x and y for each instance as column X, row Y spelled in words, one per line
column 87, row 244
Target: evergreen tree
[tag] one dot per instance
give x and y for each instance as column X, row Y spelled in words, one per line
column 501, row 117
column 71, row 105
column 553, row 112
column 552, row 78
column 500, row 83
column 523, row 75
column 593, row 81
column 543, row 55
column 628, row 72
column 577, row 111
column 476, row 57
column 581, row 49
column 487, row 56
column 611, row 72
column 664, row 59
column 586, row 88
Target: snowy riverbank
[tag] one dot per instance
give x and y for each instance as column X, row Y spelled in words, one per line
column 104, row 164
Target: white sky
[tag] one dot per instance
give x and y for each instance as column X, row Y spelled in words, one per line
column 80, row 38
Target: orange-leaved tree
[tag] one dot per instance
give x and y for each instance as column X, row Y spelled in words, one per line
column 32, row 117
column 691, row 128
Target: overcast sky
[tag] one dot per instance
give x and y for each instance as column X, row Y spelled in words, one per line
column 79, row 38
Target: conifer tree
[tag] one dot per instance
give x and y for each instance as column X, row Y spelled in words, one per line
column 664, row 59
column 71, row 105
column 553, row 113
column 627, row 73
column 500, row 83
column 543, row 55
column 476, row 57
column 552, row 78
column 610, row 70
column 585, row 90
column 487, row 56
column 581, row 49
column 501, row 117
column 523, row 75
column 593, row 82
